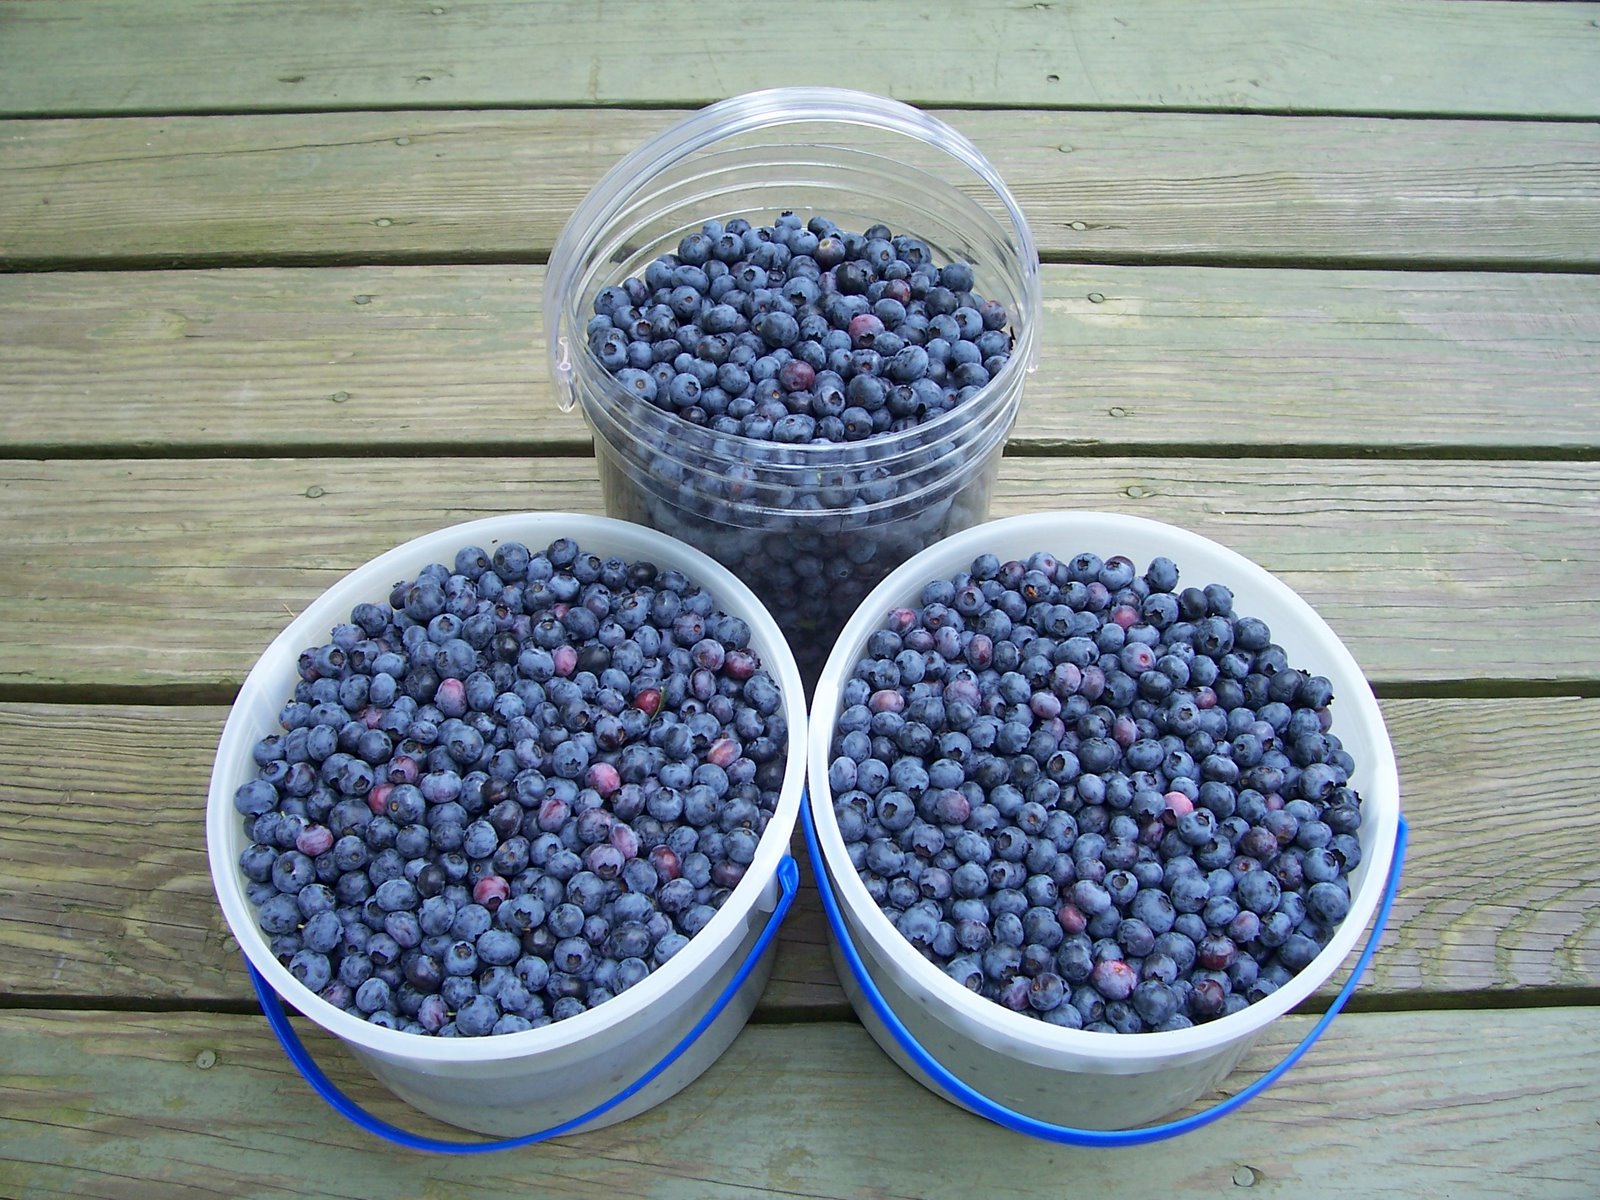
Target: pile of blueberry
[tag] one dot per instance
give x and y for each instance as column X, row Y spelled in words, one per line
column 1093, row 797
column 512, row 791
column 800, row 332
column 800, row 367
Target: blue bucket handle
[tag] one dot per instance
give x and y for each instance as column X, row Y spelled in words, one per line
column 272, row 1007
column 1066, row 1134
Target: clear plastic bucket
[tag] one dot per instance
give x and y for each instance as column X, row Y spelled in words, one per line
column 1041, row 1078
column 811, row 528
column 511, row 1084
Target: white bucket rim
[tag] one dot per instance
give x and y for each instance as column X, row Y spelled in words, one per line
column 370, row 582
column 1354, row 704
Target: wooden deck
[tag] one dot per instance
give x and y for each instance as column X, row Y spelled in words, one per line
column 1321, row 283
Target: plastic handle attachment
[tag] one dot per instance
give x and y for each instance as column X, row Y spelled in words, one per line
column 1066, row 1134
column 272, row 1006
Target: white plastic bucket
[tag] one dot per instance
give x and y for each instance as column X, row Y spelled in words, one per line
column 511, row 1084
column 1075, row 1079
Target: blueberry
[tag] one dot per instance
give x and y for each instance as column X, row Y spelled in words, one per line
column 1327, row 902
column 477, row 1017
column 373, row 996
column 472, row 875
column 1174, row 860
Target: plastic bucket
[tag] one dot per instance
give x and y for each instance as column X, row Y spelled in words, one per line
column 1057, row 1082
column 539, row 1079
column 811, row 527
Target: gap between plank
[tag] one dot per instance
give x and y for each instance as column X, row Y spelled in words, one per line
column 694, row 104
column 23, row 264
column 584, row 448
column 186, row 695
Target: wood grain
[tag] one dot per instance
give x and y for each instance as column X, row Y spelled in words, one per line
column 302, row 360
column 1362, row 55
column 138, row 921
column 1095, row 186
column 1492, row 1103
column 176, row 573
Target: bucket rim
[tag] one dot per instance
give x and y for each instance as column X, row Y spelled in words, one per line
column 989, row 1021
column 775, row 108
column 262, row 694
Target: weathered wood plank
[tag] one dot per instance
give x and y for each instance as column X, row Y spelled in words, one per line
column 1489, row 1103
column 293, row 359
column 1361, row 55
column 137, row 920
column 499, row 186
column 174, row 573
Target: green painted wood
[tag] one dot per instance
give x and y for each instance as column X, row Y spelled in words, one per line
column 382, row 358
column 1095, row 186
column 139, row 923
column 1468, row 1104
column 175, row 573
column 1361, row 55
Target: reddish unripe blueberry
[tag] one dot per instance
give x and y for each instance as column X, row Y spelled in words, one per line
column 1207, row 998
column 490, row 891
column 314, row 840
column 378, row 798
column 727, row 873
column 451, row 697
column 1125, row 615
column 864, row 330
column 1066, row 679
column 603, row 778
column 566, row 659
column 980, row 651
column 433, row 1014
column 708, row 653
column 1245, row 927
column 648, row 701
column 1114, row 979
column 665, row 860
column 553, row 814
column 1178, row 805
column 723, row 752
column 1046, row 705
column 1015, row 994
column 796, row 375
column 740, row 664
column 1071, row 918
column 604, row 859
column 1216, row 952
column 887, row 700
column 624, row 839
